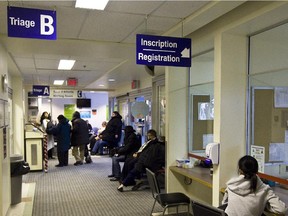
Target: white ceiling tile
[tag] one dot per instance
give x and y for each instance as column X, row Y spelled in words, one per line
column 69, row 22
column 110, row 26
column 25, row 62
column 46, row 64
column 133, row 7
column 179, row 9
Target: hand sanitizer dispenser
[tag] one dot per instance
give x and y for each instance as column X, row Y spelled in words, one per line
column 212, row 152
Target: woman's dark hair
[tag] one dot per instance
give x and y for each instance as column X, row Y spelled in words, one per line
column 248, row 165
column 43, row 117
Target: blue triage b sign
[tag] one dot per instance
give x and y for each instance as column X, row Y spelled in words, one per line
column 31, row 23
column 165, row 51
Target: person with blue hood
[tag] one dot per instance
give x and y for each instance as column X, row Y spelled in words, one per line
column 62, row 133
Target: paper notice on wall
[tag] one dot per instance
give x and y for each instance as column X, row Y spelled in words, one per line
column 258, row 152
column 286, row 136
column 278, row 152
column 281, row 97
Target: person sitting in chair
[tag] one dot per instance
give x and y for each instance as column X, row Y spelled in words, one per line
column 111, row 135
column 247, row 195
column 152, row 157
column 131, row 145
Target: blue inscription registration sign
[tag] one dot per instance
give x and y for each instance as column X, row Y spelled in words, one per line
column 165, row 51
column 31, row 23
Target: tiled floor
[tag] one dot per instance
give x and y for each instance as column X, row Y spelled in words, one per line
column 26, row 206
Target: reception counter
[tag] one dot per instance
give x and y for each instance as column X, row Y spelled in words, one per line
column 202, row 176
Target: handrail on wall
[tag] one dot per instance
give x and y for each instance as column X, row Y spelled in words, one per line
column 261, row 175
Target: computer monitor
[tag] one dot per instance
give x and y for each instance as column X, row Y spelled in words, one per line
column 200, row 209
column 83, row 102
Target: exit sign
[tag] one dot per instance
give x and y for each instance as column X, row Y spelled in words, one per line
column 71, row 82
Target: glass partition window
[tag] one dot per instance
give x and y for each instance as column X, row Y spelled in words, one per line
column 201, row 108
column 268, row 90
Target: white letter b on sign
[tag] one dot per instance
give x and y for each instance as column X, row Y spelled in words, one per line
column 46, row 22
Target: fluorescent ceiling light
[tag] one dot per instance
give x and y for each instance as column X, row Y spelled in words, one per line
column 58, row 82
column 111, row 80
column 91, row 4
column 66, row 64
column 101, row 85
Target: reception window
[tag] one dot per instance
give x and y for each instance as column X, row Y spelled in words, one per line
column 268, row 100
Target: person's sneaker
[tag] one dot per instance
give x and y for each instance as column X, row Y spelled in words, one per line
column 115, row 179
column 110, row 176
column 120, row 188
column 59, row 165
column 78, row 163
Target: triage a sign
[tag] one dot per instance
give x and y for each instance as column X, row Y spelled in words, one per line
column 31, row 23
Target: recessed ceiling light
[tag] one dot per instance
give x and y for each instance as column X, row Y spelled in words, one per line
column 111, row 80
column 101, row 85
column 58, row 82
column 91, row 4
column 66, row 64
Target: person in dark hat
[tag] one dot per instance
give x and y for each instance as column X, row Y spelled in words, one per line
column 131, row 145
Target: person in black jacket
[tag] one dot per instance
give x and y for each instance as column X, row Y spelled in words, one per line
column 152, row 156
column 131, row 145
column 79, row 138
column 111, row 135
column 62, row 132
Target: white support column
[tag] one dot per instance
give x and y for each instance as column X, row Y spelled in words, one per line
column 230, row 106
column 176, row 121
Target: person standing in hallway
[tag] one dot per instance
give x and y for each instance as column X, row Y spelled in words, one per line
column 62, row 132
column 47, row 123
column 79, row 138
column 247, row 195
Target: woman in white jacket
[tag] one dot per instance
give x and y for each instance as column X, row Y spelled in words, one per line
column 247, row 195
column 45, row 119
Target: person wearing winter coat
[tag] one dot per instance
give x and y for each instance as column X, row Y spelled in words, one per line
column 110, row 136
column 113, row 130
column 131, row 145
column 79, row 138
column 62, row 132
column 151, row 155
column 247, row 195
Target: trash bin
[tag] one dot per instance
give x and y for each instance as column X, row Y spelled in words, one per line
column 18, row 168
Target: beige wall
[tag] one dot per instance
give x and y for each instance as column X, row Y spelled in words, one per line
column 4, row 162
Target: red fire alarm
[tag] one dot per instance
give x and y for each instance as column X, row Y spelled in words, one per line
column 71, row 82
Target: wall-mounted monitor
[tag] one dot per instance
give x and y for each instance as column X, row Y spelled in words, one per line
column 83, row 103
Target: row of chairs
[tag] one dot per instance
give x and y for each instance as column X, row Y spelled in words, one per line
column 167, row 200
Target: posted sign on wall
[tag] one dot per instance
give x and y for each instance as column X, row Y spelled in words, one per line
column 31, row 23
column 165, row 51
